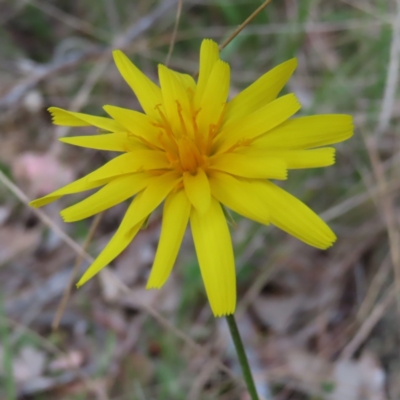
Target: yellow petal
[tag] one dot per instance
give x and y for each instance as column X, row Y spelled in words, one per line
column 308, row 132
column 109, row 142
column 250, row 166
column 188, row 83
column 156, row 191
column 77, row 186
column 213, row 245
column 261, row 92
column 147, row 92
column 175, row 99
column 175, row 219
column 135, row 161
column 139, row 124
column 121, row 239
column 238, row 195
column 297, row 159
column 291, row 215
column 115, row 192
column 214, row 98
column 136, row 214
column 209, row 55
column 261, row 121
column 69, row 118
column 197, row 189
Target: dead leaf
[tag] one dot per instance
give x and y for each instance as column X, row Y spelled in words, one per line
column 28, row 364
column 71, row 360
column 308, row 368
column 16, row 241
column 40, row 174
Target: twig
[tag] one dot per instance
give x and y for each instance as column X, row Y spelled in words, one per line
column 202, row 377
column 352, row 202
column 244, row 24
column 389, row 212
column 367, row 326
column 44, row 218
column 374, row 289
column 47, row 344
column 75, row 270
column 175, row 31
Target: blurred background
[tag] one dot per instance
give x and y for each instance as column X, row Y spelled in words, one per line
column 317, row 324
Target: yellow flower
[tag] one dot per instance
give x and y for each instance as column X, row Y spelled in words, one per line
column 195, row 150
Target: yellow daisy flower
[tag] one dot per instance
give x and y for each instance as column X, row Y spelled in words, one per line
column 195, row 150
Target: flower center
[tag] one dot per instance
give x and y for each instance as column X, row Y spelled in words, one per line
column 186, row 147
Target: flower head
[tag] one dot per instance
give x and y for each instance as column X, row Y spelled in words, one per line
column 195, row 151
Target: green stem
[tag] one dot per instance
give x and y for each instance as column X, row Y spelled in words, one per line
column 244, row 363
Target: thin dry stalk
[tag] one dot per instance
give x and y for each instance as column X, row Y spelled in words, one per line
column 386, row 199
column 388, row 210
column 43, row 217
column 79, row 259
column 244, row 24
column 174, row 33
column 45, row 343
column 374, row 289
column 352, row 202
column 202, row 377
column 369, row 323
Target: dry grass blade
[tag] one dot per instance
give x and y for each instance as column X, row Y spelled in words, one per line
column 369, row 323
column 44, row 218
column 244, row 24
column 388, row 207
column 78, row 262
column 374, row 288
column 352, row 202
column 175, row 31
column 389, row 212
